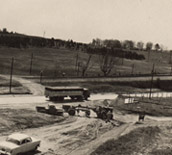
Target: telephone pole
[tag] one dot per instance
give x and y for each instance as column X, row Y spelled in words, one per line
column 122, row 58
column 170, row 57
column 41, row 73
column 150, row 93
column 76, row 65
column 132, row 71
column 148, row 55
column 79, row 64
column 11, row 74
column 31, row 63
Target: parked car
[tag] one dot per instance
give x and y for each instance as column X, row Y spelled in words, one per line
column 18, row 143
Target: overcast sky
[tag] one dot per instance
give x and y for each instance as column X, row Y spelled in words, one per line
column 83, row 20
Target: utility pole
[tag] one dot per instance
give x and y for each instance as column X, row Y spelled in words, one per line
column 78, row 68
column 150, row 93
column 44, row 34
column 132, row 71
column 123, row 58
column 148, row 55
column 11, row 74
column 170, row 56
column 41, row 76
column 76, row 62
column 31, row 64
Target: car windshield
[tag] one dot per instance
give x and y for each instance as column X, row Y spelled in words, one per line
column 13, row 141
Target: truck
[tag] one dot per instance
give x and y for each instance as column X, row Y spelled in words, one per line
column 59, row 93
column 51, row 109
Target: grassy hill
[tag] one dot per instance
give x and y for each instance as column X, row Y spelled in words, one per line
column 53, row 62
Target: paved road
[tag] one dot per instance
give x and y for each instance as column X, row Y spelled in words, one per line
column 30, row 101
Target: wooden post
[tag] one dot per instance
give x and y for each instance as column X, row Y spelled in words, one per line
column 31, row 64
column 76, row 65
column 122, row 58
column 148, row 55
column 150, row 93
column 41, row 76
column 79, row 64
column 132, row 71
column 11, row 74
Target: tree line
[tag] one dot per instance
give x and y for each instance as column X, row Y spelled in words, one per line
column 16, row 40
column 115, row 52
column 127, row 44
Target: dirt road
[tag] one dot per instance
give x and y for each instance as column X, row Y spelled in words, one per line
column 80, row 135
column 76, row 135
column 35, row 88
column 65, row 137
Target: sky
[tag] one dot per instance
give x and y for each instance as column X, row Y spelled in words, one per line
column 83, row 20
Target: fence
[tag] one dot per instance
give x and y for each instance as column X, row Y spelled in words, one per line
column 131, row 98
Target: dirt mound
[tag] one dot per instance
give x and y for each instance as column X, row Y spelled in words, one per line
column 131, row 143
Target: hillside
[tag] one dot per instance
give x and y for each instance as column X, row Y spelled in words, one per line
column 55, row 61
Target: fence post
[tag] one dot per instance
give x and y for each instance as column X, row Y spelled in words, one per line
column 41, row 76
column 132, row 70
column 151, row 82
column 11, row 74
column 31, row 63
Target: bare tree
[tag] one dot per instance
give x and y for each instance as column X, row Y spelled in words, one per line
column 85, row 65
column 107, row 63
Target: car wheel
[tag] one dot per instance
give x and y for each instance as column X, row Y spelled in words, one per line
column 71, row 112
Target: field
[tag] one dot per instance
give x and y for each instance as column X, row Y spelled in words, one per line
column 54, row 62
column 16, row 87
column 48, row 65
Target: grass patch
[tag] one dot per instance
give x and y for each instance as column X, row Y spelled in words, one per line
column 53, row 62
column 16, row 87
column 130, row 143
column 104, row 87
column 6, row 82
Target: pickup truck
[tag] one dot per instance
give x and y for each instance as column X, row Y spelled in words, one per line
column 18, row 143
